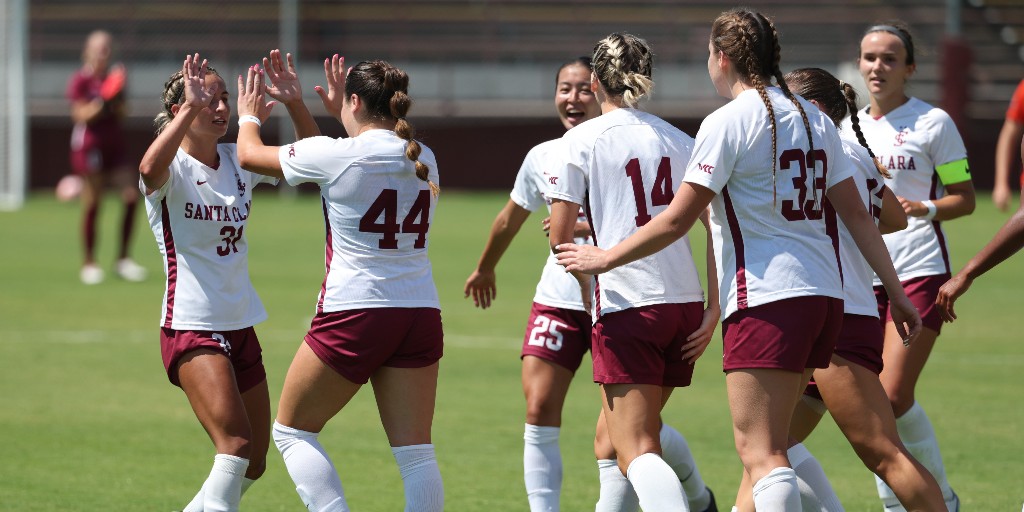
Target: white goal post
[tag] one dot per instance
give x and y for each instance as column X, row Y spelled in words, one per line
column 13, row 104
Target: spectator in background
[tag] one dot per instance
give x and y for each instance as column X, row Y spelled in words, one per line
column 1006, row 148
column 96, row 92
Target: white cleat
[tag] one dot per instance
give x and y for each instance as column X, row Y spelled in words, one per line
column 130, row 271
column 91, row 274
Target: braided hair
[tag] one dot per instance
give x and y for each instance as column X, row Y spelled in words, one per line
column 385, row 91
column 836, row 98
column 751, row 43
column 623, row 64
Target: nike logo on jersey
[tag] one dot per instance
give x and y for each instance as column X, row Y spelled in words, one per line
column 706, row 168
column 200, row 182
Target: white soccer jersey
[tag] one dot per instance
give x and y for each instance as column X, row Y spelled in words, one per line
column 198, row 218
column 770, row 245
column 378, row 216
column 557, row 288
column 620, row 165
column 912, row 141
column 859, row 297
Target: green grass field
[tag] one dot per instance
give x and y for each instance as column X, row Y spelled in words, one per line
column 90, row 423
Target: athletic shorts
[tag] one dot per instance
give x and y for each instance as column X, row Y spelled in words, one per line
column 860, row 342
column 92, row 153
column 356, row 342
column 643, row 345
column 789, row 334
column 922, row 292
column 242, row 347
column 558, row 335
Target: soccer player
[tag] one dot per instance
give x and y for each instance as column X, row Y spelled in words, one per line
column 378, row 318
column 777, row 256
column 650, row 322
column 1006, row 148
column 96, row 92
column 849, row 388
column 199, row 200
column 559, row 327
column 921, row 148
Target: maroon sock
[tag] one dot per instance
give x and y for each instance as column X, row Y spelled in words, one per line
column 126, row 227
column 89, row 232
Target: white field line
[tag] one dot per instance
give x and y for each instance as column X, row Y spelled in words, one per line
column 266, row 336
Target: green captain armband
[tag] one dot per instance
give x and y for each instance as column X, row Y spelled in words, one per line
column 956, row 171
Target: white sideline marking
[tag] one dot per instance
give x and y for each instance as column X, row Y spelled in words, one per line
column 266, row 336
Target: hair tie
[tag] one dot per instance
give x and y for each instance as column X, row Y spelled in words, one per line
column 896, row 32
column 842, row 84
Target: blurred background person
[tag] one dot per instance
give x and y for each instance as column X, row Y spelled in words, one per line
column 96, row 92
column 1006, row 149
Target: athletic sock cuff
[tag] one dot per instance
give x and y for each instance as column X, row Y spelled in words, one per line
column 535, row 434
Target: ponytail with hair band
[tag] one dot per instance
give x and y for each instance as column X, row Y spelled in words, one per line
column 400, row 103
column 850, row 95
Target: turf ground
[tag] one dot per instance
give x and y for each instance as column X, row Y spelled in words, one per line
column 89, row 421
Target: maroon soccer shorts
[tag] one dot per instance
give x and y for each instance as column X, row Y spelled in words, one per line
column 789, row 334
column 558, row 335
column 356, row 342
column 643, row 345
column 242, row 347
column 921, row 291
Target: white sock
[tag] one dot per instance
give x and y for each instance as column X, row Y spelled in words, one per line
column 542, row 468
column 311, row 469
column 918, row 436
column 196, row 505
column 816, row 492
column 676, row 453
column 223, row 488
column 656, row 485
column 777, row 492
column 421, row 477
column 616, row 494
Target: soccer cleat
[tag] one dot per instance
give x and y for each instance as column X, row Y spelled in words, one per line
column 712, row 507
column 130, row 271
column 91, row 274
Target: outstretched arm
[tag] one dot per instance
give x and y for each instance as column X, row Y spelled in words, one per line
column 155, row 164
column 253, row 156
column 666, row 227
column 284, row 86
column 1007, row 241
column 482, row 283
column 698, row 340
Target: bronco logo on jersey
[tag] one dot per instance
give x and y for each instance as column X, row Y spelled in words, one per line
column 291, row 151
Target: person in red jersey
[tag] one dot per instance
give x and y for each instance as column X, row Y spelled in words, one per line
column 96, row 92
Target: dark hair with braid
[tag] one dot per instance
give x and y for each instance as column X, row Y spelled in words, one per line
column 835, row 98
column 582, row 60
column 174, row 94
column 623, row 64
column 751, row 43
column 384, row 89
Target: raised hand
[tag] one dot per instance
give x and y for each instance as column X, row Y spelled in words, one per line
column 284, row 83
column 334, row 97
column 251, row 95
column 195, row 90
